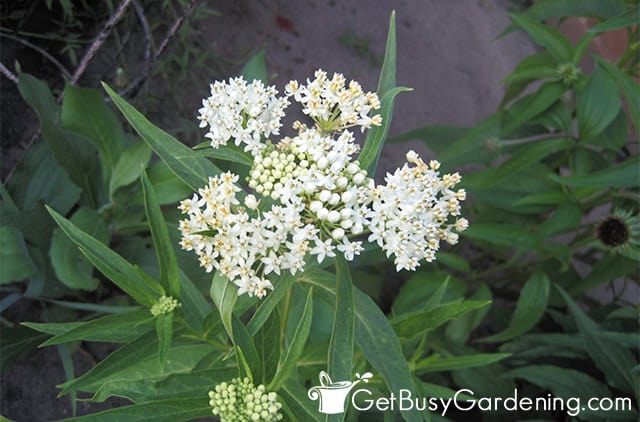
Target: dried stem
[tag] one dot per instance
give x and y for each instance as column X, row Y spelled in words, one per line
column 6, row 72
column 134, row 86
column 100, row 39
column 46, row 55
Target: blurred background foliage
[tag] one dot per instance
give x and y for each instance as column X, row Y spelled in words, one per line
column 541, row 294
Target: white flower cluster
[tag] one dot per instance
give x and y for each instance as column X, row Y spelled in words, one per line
column 409, row 214
column 240, row 401
column 245, row 248
column 332, row 105
column 165, row 305
column 319, row 199
column 243, row 111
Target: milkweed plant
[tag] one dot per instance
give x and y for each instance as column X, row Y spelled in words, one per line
column 278, row 220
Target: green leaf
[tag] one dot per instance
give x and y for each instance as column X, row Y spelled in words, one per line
column 515, row 88
column 255, row 68
column 418, row 323
column 565, row 218
column 435, row 137
column 298, row 403
column 169, row 276
column 244, row 343
column 267, row 306
column 628, row 85
column 118, row 328
column 194, row 306
column 509, row 235
column 377, row 134
column 529, row 309
column 169, row 410
column 422, row 287
column 340, row 356
column 545, row 36
column 168, row 187
column 229, row 153
column 15, row 262
column 164, row 331
column 130, row 166
column 475, row 145
column 453, row 261
column 597, row 104
column 17, row 342
column 84, row 111
column 458, row 330
column 531, row 106
column 531, row 73
column 623, row 175
column 387, row 92
column 224, row 294
column 545, row 9
column 387, row 79
column 610, row 267
column 81, row 165
column 136, row 361
column 295, row 348
column 38, row 178
column 70, row 265
column 373, row 334
column 532, row 154
column 267, row 341
column 623, row 20
column 562, row 382
column 615, row 361
column 183, row 161
column 457, row 362
column 112, row 265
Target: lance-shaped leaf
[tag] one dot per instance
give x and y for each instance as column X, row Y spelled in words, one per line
column 295, row 348
column 187, row 164
column 529, row 308
column 224, row 295
column 342, row 337
column 373, row 335
column 169, row 275
column 387, row 92
column 142, row 289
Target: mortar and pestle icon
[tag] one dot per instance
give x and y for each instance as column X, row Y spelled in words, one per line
column 332, row 395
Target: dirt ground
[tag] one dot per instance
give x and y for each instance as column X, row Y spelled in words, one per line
column 447, row 53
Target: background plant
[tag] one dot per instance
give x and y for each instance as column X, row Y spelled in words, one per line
column 560, row 170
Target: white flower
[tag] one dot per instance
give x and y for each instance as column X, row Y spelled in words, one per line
column 246, row 112
column 409, row 214
column 333, row 105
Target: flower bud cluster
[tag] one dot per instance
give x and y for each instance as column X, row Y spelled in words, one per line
column 164, row 305
column 243, row 111
column 333, row 105
column 332, row 191
column 240, row 401
column 411, row 213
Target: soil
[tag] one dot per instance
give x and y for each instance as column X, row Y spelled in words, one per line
column 447, row 52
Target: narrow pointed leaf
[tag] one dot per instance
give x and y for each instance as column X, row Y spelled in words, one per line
column 193, row 169
column 529, row 309
column 116, row 328
column 224, row 294
column 342, row 337
column 112, row 265
column 296, row 347
column 164, row 331
column 169, row 275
